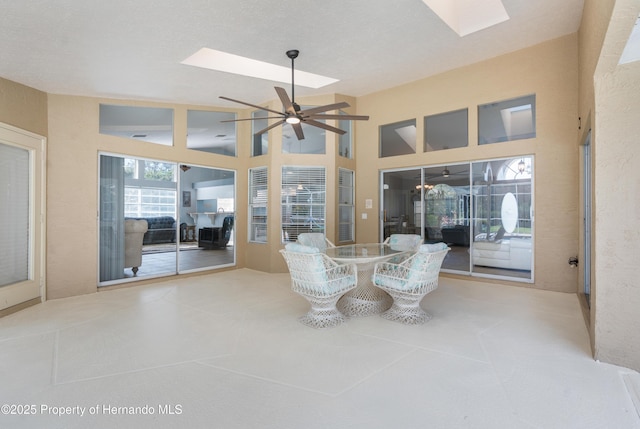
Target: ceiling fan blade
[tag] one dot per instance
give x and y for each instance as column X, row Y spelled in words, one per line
column 252, row 119
column 324, row 126
column 286, row 102
column 340, row 117
column 298, row 129
column 275, row 124
column 326, row 108
column 252, row 105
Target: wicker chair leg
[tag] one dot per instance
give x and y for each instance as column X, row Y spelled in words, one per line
column 406, row 309
column 323, row 313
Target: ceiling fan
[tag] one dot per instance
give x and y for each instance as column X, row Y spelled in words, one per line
column 294, row 115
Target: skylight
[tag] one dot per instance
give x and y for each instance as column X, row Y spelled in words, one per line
column 631, row 51
column 230, row 63
column 468, row 16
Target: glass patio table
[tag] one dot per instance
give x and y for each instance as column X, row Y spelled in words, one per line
column 365, row 299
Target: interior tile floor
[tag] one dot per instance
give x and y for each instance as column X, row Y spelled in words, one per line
column 225, row 350
column 191, row 258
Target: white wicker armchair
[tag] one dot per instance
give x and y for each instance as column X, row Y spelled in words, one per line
column 321, row 281
column 404, row 241
column 408, row 282
column 315, row 239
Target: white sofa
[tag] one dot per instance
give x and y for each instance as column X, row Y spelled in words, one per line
column 513, row 253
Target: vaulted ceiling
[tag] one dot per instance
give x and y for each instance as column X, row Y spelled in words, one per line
column 133, row 49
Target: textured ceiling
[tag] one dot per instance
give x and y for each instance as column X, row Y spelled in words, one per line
column 132, row 49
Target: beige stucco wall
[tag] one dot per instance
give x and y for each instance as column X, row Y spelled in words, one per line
column 23, row 107
column 74, row 145
column 614, row 96
column 550, row 71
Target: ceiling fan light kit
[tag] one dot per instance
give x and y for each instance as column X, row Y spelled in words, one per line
column 294, row 115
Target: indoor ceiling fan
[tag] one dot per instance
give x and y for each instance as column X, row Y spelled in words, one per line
column 294, row 115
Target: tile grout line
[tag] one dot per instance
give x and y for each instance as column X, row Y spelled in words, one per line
column 632, row 384
column 54, row 360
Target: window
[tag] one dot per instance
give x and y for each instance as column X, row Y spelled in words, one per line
column 149, row 124
column 345, row 148
column 346, row 208
column 314, row 139
column 507, row 120
column 260, row 144
column 398, row 138
column 302, row 201
column 258, row 199
column 150, row 188
column 446, row 130
column 207, row 132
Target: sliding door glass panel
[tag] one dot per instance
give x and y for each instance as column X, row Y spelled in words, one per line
column 137, row 218
column 446, row 130
column 149, row 124
column 447, row 214
column 401, row 207
column 507, row 120
column 260, row 141
column 206, row 218
column 398, row 138
column 503, row 217
column 207, row 132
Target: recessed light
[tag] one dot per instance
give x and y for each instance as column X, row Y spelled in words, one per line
column 230, row 63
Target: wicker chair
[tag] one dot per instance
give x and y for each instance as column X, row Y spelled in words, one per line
column 315, row 239
column 409, row 281
column 404, row 241
column 321, row 281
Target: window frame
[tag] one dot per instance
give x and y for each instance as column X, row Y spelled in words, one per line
column 298, row 214
column 258, row 185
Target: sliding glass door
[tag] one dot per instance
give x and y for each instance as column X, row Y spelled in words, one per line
column 503, row 218
column 482, row 210
column 153, row 216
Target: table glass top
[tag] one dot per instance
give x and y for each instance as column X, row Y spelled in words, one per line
column 361, row 251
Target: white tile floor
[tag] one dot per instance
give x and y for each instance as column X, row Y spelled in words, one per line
column 226, row 351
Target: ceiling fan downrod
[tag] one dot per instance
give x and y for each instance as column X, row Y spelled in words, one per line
column 293, row 54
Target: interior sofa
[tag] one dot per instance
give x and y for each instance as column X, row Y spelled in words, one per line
column 457, row 235
column 510, row 252
column 161, row 229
